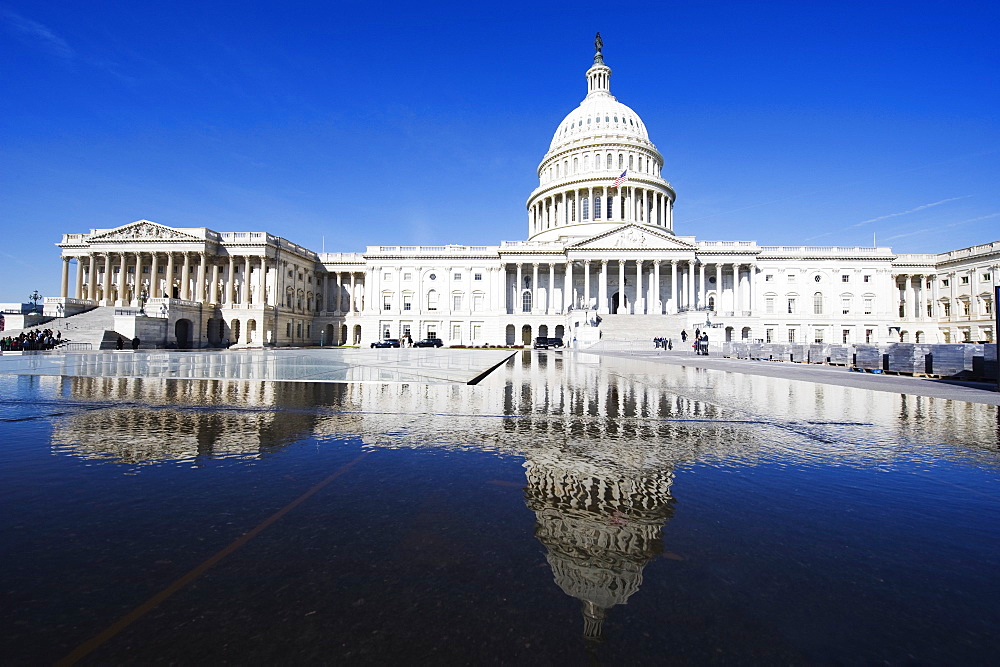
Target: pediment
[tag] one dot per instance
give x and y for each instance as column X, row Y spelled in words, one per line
column 632, row 237
column 143, row 230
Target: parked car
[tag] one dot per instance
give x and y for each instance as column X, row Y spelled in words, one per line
column 388, row 342
column 429, row 342
column 544, row 343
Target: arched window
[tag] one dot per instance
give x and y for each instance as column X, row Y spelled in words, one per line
column 586, row 163
column 818, row 303
column 621, row 161
column 631, row 161
column 432, row 300
column 557, row 171
column 640, row 164
column 576, row 162
column 711, row 303
column 586, row 208
column 610, row 164
column 597, row 208
column 611, row 207
column 526, row 301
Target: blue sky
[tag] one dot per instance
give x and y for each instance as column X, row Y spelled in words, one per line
column 354, row 124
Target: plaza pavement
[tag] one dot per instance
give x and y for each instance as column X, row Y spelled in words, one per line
column 959, row 390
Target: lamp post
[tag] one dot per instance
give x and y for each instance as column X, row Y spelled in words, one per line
column 34, row 297
column 143, row 298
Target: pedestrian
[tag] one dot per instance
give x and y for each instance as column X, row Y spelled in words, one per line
column 135, row 343
column 120, row 345
column 684, row 336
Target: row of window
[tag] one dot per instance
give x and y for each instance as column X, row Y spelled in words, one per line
column 964, row 280
column 818, row 335
column 457, row 331
column 431, row 302
column 846, row 304
column 608, row 118
column 635, row 163
column 407, row 276
column 844, row 278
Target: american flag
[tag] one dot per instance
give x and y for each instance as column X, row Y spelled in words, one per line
column 621, row 179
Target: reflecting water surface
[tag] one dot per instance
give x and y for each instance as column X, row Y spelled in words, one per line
column 568, row 509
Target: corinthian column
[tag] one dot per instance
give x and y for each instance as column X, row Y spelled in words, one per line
column 92, row 277
column 640, row 299
column 657, row 302
column 673, row 286
column 137, row 282
column 621, row 287
column 65, row 277
column 170, row 276
column 78, row 287
column 106, row 286
column 186, row 277
column 154, row 275
column 230, row 281
column 262, row 284
column 569, row 286
column 213, row 287
column 534, row 287
column 199, row 290
column 550, row 301
column 121, row 279
column 245, row 283
column 602, row 289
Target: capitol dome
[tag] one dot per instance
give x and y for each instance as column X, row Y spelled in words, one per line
column 598, row 117
column 601, row 170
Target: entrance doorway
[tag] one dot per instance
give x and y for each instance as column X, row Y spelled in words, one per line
column 615, row 304
column 182, row 332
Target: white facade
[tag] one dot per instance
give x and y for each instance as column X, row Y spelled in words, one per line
column 601, row 262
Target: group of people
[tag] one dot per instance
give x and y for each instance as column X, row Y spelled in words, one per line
column 663, row 343
column 700, row 341
column 120, row 345
column 31, row 340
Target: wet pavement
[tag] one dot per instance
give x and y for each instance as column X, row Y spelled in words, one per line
column 569, row 508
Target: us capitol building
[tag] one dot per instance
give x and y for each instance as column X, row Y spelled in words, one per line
column 601, row 263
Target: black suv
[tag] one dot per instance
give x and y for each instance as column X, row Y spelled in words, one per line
column 543, row 343
column 429, row 342
column 388, row 342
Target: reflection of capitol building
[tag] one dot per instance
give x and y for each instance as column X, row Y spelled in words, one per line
column 602, row 439
column 153, row 420
column 601, row 260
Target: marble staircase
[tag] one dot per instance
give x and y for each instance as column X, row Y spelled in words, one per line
column 95, row 327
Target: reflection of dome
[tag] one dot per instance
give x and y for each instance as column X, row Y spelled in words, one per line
column 599, row 529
